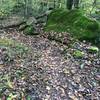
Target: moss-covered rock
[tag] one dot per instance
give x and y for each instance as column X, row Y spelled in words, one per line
column 75, row 22
column 30, row 31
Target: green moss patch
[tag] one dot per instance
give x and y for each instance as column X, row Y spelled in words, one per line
column 75, row 22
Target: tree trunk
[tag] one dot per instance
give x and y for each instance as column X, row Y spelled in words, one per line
column 28, row 8
column 69, row 4
column 54, row 3
column 76, row 3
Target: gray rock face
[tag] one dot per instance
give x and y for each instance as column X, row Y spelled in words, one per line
column 31, row 20
column 11, row 21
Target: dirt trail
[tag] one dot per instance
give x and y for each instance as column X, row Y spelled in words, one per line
column 49, row 75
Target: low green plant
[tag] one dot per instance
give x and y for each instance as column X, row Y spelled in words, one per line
column 13, row 47
column 78, row 54
column 93, row 49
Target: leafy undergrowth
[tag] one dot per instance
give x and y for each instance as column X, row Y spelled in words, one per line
column 75, row 22
column 12, row 47
column 49, row 70
column 11, row 54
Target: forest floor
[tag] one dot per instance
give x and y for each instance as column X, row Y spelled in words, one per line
column 47, row 71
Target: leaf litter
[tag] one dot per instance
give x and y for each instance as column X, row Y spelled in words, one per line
column 47, row 71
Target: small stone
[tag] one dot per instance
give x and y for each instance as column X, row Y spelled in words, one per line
column 76, row 79
column 98, row 76
column 66, row 71
column 1, row 62
column 73, row 71
column 47, row 87
column 73, row 97
column 82, row 66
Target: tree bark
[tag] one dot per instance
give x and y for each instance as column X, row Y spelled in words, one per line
column 76, row 4
column 69, row 4
column 28, row 8
column 54, row 3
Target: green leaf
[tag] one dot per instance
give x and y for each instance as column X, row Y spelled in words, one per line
column 78, row 53
column 28, row 97
column 93, row 49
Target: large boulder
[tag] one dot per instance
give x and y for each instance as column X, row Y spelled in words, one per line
column 11, row 21
column 73, row 21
